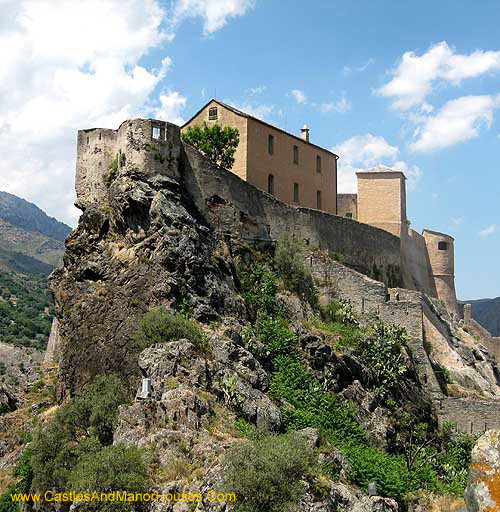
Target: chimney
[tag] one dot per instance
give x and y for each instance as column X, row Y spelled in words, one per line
column 304, row 133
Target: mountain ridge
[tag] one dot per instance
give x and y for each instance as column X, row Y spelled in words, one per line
column 25, row 215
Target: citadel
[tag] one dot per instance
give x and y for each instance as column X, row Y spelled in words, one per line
column 282, row 184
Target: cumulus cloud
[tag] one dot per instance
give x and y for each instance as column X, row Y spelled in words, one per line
column 215, row 13
column 72, row 65
column 365, row 151
column 488, row 231
column 457, row 121
column 415, row 76
column 299, row 96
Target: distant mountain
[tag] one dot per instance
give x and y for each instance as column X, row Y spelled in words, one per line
column 487, row 313
column 22, row 214
column 30, row 240
column 31, row 246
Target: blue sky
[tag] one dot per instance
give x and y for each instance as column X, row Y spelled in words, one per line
column 411, row 85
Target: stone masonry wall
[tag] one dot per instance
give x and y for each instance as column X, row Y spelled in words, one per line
column 237, row 208
column 472, row 417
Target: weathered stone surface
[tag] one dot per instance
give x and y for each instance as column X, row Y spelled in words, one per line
column 229, row 371
column 483, row 489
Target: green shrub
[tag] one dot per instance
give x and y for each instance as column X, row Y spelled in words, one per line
column 266, row 473
column 259, row 287
column 340, row 311
column 381, row 351
column 111, row 468
column 84, row 424
column 161, row 326
column 275, row 335
column 290, row 262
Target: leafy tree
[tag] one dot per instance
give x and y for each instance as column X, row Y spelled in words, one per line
column 218, row 143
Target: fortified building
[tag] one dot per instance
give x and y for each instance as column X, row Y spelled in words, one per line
column 300, row 173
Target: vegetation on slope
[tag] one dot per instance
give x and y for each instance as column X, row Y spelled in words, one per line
column 74, row 450
column 26, row 309
column 422, row 460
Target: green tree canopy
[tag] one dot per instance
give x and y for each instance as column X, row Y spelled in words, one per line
column 218, row 143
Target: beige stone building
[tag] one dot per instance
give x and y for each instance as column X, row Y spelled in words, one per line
column 289, row 167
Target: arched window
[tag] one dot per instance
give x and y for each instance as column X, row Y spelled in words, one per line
column 270, row 184
column 443, row 246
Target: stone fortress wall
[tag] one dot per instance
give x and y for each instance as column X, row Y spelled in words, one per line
column 237, row 209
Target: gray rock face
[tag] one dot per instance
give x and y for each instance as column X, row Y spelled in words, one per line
column 228, row 371
column 483, row 489
column 145, row 246
column 342, row 498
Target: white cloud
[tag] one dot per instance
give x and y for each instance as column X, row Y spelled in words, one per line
column 367, row 151
column 171, row 105
column 347, row 70
column 457, row 121
column 489, row 230
column 72, row 65
column 256, row 110
column 254, row 91
column 341, row 106
column 415, row 76
column 215, row 13
column 298, row 96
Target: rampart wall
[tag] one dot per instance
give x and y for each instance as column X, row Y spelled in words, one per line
column 237, row 208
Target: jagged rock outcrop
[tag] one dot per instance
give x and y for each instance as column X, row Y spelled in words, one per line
column 148, row 247
column 483, row 490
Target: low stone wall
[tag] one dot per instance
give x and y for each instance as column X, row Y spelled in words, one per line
column 371, row 299
column 472, row 417
column 235, row 207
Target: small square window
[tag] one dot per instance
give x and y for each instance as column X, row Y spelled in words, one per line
column 318, row 164
column 212, row 114
column 296, row 193
column 442, row 246
column 156, row 132
column 295, row 154
column 270, row 144
column 348, row 215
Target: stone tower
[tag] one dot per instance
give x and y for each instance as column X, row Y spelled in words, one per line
column 441, row 256
column 382, row 199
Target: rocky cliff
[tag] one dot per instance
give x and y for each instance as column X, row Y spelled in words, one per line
column 290, row 344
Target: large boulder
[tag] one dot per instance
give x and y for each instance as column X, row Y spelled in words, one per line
column 483, row 490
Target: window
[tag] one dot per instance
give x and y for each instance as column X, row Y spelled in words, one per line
column 270, row 144
column 212, row 114
column 295, row 192
column 156, row 132
column 318, row 199
column 88, row 141
column 348, row 215
column 318, row 163
column 443, row 246
column 270, row 184
column 100, row 135
column 295, row 154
